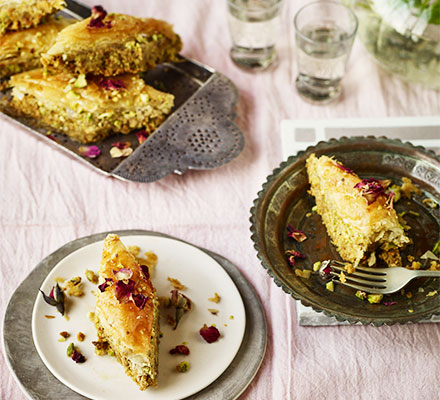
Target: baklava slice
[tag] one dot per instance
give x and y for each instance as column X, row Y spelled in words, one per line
column 111, row 45
column 127, row 313
column 16, row 15
column 20, row 51
column 89, row 109
column 357, row 213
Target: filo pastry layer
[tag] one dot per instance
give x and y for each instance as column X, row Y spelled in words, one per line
column 354, row 226
column 89, row 110
column 131, row 332
column 124, row 44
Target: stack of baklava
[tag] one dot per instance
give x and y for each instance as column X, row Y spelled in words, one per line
column 27, row 29
column 89, row 86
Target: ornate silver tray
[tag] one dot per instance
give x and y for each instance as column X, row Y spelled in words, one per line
column 198, row 134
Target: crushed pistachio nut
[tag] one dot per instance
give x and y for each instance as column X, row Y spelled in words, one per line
column 215, row 299
column 303, row 273
column 415, row 265
column 349, row 268
column 91, row 276
column 80, row 337
column 342, row 277
column 410, row 311
column 416, row 214
column 433, row 293
column 374, row 298
column 73, row 287
column 361, row 295
column 430, row 203
column 408, row 188
column 183, row 366
column 91, row 316
column 175, row 283
column 231, row 317
column 316, row 266
column 70, row 349
column 213, row 311
column 330, row 286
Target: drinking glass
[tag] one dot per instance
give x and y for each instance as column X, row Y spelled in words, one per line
column 255, row 27
column 324, row 33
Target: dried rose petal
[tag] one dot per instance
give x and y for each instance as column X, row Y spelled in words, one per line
column 370, row 188
column 142, row 136
column 209, row 333
column 105, row 284
column 180, row 349
column 292, row 255
column 111, row 84
column 78, row 357
column 121, row 145
column 55, row 298
column 98, row 15
column 124, row 290
column 389, row 303
column 344, row 168
column 296, row 234
column 123, row 273
column 145, row 271
column 89, row 151
column 182, row 303
column 140, row 300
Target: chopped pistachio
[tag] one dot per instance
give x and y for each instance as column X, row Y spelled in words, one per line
column 80, row 337
column 81, row 81
column 361, row 295
column 433, row 293
column 316, row 266
column 91, row 276
column 70, row 349
column 374, row 298
column 183, row 366
column 330, row 286
column 216, row 298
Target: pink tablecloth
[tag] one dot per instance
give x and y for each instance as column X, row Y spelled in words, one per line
column 48, row 199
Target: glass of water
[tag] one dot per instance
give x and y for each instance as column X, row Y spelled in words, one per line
column 255, row 27
column 324, row 32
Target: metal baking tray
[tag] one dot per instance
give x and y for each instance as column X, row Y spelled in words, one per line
column 198, row 134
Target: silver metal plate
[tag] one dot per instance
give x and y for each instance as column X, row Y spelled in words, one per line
column 38, row 382
column 198, row 134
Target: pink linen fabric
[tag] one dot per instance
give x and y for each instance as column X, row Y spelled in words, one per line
column 48, row 199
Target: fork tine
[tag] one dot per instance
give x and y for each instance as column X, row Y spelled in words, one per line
column 371, row 277
column 364, row 288
column 373, row 271
column 379, row 283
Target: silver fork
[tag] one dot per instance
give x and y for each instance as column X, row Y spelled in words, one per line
column 374, row 280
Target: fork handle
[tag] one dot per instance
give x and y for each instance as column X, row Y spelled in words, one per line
column 427, row 274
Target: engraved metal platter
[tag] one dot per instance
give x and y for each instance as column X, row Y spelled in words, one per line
column 198, row 134
column 37, row 382
column 284, row 200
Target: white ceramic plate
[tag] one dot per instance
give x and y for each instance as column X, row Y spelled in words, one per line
column 103, row 377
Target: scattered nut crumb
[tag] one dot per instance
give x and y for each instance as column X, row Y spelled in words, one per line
column 91, row 276
column 73, row 287
column 80, row 337
column 350, row 267
column 49, row 316
column 59, row 279
column 309, row 214
column 183, row 366
column 213, row 311
column 410, row 311
column 65, row 334
column 231, row 317
column 342, row 277
column 215, row 299
column 91, row 316
column 409, row 295
column 433, row 293
column 430, row 203
column 303, row 273
column 176, row 284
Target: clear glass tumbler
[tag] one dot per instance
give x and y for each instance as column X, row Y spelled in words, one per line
column 255, row 27
column 324, row 33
